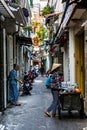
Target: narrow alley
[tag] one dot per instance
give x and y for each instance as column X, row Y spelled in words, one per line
column 30, row 115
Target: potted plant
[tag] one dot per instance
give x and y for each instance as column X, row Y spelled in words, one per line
column 42, row 33
column 27, row 28
column 47, row 10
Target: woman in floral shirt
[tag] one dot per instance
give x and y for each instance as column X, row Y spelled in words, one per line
column 55, row 86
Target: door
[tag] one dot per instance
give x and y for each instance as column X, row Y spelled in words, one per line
column 79, row 62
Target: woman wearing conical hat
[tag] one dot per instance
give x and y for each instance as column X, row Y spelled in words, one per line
column 55, row 85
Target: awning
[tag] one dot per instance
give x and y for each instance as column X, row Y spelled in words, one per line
column 5, row 11
column 82, row 4
column 36, row 60
column 75, row 13
column 18, row 13
column 21, row 40
column 53, row 16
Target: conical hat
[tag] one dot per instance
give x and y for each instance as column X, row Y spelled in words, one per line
column 55, row 66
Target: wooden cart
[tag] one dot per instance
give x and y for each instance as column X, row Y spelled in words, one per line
column 71, row 101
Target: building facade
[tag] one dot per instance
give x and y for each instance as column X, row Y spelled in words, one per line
column 12, row 20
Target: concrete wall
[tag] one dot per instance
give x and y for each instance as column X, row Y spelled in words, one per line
column 66, row 64
column 21, row 62
column 85, row 49
column 10, row 52
column 48, row 62
column 72, row 55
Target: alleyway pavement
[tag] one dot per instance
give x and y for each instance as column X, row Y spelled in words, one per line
column 30, row 115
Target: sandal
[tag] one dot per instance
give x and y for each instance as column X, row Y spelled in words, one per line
column 17, row 104
column 54, row 115
column 47, row 113
column 9, row 105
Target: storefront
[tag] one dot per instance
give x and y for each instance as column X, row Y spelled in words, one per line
column 77, row 44
column 4, row 13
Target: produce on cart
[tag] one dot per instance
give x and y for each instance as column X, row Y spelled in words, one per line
column 70, row 99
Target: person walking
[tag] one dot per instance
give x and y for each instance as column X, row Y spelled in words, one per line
column 13, row 90
column 42, row 71
column 55, row 87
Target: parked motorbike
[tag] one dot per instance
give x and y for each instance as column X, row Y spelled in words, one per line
column 31, row 76
column 27, row 86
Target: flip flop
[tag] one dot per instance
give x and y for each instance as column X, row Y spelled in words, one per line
column 47, row 113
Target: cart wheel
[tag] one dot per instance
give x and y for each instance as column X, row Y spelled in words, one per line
column 81, row 112
column 69, row 112
column 59, row 112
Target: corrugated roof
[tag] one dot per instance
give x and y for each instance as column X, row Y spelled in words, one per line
column 52, row 14
column 4, row 10
column 22, row 40
column 18, row 13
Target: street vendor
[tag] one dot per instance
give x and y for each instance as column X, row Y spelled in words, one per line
column 55, row 85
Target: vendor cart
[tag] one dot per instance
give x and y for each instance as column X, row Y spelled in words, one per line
column 71, row 101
